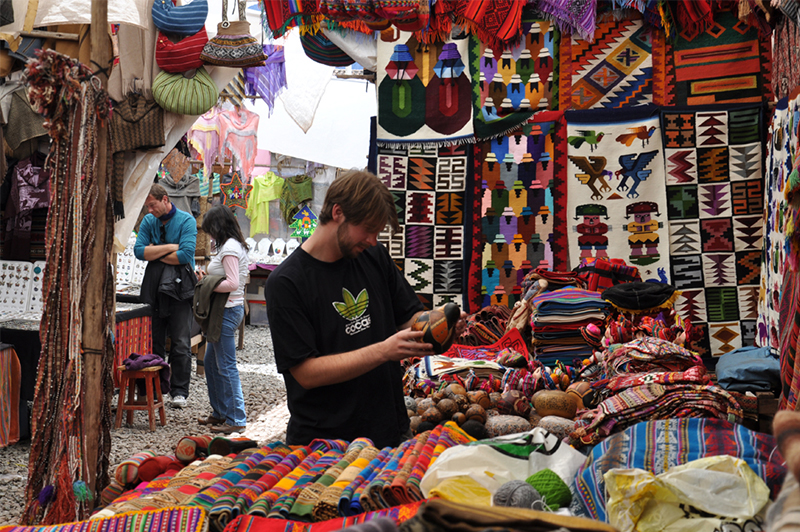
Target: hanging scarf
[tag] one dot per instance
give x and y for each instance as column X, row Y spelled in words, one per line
column 73, row 103
column 296, row 190
column 268, row 81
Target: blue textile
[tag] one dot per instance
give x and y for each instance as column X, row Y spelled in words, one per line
column 754, row 369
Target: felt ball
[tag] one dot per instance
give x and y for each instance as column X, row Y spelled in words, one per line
column 438, row 326
column 475, row 429
column 516, row 493
column 476, row 413
column 447, row 407
column 554, row 491
column 425, row 404
column 425, row 426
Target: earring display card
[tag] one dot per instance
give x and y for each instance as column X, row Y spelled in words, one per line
column 15, row 286
column 36, row 300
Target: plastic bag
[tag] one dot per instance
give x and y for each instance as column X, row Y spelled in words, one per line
column 462, row 489
column 685, row 498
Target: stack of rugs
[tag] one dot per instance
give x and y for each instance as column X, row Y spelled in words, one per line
column 557, row 319
column 324, row 480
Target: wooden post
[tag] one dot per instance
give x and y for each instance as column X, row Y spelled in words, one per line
column 94, row 322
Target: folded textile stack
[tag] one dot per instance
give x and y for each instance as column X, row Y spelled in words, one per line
column 556, row 321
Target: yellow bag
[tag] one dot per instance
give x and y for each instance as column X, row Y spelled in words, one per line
column 462, row 489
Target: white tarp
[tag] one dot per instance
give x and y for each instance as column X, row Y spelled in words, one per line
column 136, row 12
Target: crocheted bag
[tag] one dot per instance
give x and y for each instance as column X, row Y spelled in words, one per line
column 183, row 55
column 180, row 20
column 179, row 93
column 233, row 46
column 137, row 123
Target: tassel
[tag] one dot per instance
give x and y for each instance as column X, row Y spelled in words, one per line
column 81, row 490
column 46, row 495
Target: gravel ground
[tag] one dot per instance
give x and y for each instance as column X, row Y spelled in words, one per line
column 267, row 415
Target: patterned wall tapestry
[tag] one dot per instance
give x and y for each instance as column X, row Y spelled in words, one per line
column 617, row 70
column 508, row 86
column 429, row 186
column 521, row 209
column 715, row 194
column 727, row 63
column 616, row 200
column 782, row 133
column 424, row 90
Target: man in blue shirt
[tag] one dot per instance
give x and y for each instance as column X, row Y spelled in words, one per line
column 169, row 236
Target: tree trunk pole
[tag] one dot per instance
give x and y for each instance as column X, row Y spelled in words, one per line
column 94, row 322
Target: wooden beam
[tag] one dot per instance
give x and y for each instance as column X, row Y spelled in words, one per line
column 51, row 35
column 94, row 321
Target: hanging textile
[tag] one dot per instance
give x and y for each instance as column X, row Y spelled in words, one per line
column 510, row 85
column 786, row 56
column 238, row 134
column 728, row 62
column 780, row 140
column 268, row 81
column 72, row 102
column 715, row 207
column 30, row 190
column 266, row 188
column 571, row 16
column 424, row 91
column 618, row 69
column 521, row 225
column 429, row 186
column 204, row 138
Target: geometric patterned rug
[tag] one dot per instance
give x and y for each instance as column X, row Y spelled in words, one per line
column 429, row 187
column 727, row 63
column 521, row 196
column 617, row 70
column 715, row 196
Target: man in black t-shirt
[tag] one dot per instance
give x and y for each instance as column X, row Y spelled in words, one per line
column 340, row 311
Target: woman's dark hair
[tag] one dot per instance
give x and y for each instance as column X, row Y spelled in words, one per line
column 221, row 224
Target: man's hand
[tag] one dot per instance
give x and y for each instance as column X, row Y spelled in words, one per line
column 404, row 344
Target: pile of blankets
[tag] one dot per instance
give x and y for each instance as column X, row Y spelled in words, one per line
column 556, row 321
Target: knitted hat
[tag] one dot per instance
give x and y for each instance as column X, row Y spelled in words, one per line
column 638, row 297
column 320, row 49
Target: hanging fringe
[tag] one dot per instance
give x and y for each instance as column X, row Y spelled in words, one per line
column 426, row 144
column 668, row 304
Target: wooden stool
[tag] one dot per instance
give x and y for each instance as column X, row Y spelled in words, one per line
column 151, row 381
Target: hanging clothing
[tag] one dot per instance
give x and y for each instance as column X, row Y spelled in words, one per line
column 185, row 193
column 238, row 131
column 296, row 190
column 268, row 81
column 30, row 189
column 266, row 188
column 204, row 138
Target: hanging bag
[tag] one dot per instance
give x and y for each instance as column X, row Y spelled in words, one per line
column 179, row 20
column 183, row 55
column 137, row 124
column 191, row 93
column 233, row 46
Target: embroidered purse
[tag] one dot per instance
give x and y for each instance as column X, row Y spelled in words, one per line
column 185, row 94
column 137, row 124
column 182, row 55
column 180, row 20
column 233, row 46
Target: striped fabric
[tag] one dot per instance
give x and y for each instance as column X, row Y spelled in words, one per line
column 656, row 446
column 397, row 493
column 10, row 380
column 185, row 96
column 248, row 485
column 181, row 20
column 371, row 497
column 235, row 91
column 128, row 470
column 246, row 461
column 328, row 505
column 267, row 481
column 183, row 55
column 283, row 506
column 165, row 520
column 349, row 503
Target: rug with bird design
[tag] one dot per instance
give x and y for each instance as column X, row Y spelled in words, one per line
column 521, row 198
column 715, row 208
column 509, row 85
column 616, row 201
column 620, row 68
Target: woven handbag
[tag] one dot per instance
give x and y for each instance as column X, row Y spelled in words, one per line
column 180, row 20
column 233, row 46
column 182, row 55
column 137, row 124
column 184, row 94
